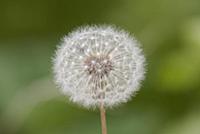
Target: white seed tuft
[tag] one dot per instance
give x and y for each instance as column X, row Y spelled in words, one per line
column 99, row 64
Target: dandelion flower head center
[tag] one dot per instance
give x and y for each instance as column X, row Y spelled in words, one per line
column 98, row 65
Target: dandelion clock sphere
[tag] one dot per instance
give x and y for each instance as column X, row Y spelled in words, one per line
column 99, row 64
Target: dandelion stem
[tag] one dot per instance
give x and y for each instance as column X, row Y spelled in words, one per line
column 103, row 119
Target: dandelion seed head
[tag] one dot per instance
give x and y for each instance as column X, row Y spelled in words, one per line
column 99, row 64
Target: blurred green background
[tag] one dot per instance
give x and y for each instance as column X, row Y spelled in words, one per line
column 169, row 100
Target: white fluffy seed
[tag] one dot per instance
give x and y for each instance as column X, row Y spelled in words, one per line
column 107, row 66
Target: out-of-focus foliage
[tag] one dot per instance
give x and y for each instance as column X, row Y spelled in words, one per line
column 169, row 101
